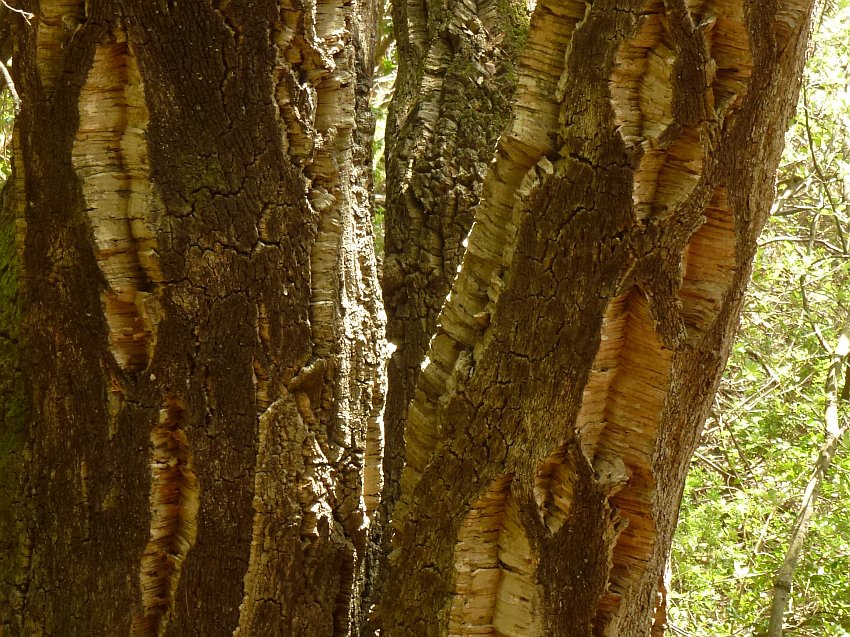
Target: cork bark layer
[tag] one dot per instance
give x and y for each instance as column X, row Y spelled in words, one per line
column 196, row 331
column 203, row 325
column 456, row 78
column 577, row 353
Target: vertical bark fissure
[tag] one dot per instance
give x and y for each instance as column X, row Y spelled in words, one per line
column 456, row 75
column 520, row 168
column 709, row 265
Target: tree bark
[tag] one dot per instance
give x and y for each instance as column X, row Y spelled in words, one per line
column 579, row 349
column 456, row 77
column 192, row 393
column 200, row 316
column 452, row 99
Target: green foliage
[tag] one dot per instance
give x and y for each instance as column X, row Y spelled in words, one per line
column 7, row 122
column 759, row 446
column 386, row 65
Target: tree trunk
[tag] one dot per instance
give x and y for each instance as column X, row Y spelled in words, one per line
column 578, row 352
column 192, row 393
column 456, row 77
column 200, row 317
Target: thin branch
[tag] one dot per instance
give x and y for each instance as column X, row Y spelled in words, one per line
column 808, row 314
column 834, row 434
column 807, row 240
column 11, row 86
column 27, row 15
column 747, row 465
column 729, row 478
column 818, row 170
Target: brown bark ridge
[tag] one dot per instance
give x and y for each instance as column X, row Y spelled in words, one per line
column 456, row 77
column 201, row 321
column 578, row 352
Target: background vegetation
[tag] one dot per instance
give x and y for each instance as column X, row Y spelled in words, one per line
column 760, row 444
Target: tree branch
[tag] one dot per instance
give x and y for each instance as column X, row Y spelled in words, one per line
column 834, row 434
column 818, row 170
column 10, row 85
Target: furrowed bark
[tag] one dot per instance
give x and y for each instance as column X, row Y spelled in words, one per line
column 580, row 347
column 456, row 76
column 14, row 410
column 203, row 328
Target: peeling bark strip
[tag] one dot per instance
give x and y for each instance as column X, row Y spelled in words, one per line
column 619, row 221
column 174, row 500
column 110, row 157
column 200, row 297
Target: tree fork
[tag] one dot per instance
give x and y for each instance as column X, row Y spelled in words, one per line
column 577, row 354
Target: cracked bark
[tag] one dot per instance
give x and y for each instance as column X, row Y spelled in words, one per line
column 578, row 351
column 201, row 336
column 201, row 316
column 456, row 77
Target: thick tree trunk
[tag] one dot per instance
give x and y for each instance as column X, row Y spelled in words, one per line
column 199, row 335
column 200, row 317
column 456, row 77
column 579, row 349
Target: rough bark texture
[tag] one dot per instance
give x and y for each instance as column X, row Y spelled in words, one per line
column 14, row 410
column 456, row 76
column 579, row 349
column 200, row 335
column 201, row 317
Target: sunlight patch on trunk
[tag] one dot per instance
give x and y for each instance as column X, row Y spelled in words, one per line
column 111, row 158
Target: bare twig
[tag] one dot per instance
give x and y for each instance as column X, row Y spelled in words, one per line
column 729, row 478
column 27, row 15
column 818, row 170
column 11, row 86
column 835, row 431
column 791, row 239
